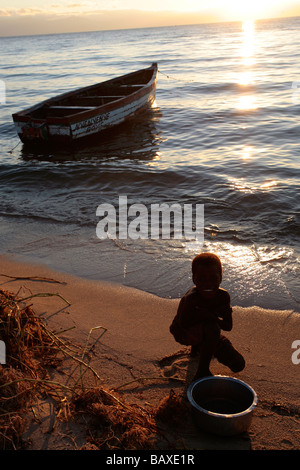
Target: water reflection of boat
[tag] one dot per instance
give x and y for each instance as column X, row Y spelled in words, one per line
column 87, row 111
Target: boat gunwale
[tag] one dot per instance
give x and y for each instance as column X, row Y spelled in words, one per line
column 23, row 116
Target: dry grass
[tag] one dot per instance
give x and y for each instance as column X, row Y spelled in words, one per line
column 32, row 351
column 114, row 425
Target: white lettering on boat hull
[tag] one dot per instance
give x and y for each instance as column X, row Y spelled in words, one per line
column 106, row 120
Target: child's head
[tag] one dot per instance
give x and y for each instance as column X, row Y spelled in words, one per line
column 207, row 273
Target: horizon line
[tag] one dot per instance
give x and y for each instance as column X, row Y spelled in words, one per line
column 150, row 27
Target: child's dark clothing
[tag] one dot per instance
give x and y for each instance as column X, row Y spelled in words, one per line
column 198, row 323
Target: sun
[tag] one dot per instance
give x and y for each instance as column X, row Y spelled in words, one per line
column 228, row 10
column 251, row 10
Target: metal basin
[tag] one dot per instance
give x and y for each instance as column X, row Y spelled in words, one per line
column 222, row 405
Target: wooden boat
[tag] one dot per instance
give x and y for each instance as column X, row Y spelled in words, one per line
column 89, row 110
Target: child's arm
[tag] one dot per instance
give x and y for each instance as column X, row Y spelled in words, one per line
column 189, row 314
column 183, row 327
column 225, row 313
column 225, row 322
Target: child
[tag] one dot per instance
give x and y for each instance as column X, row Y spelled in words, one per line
column 202, row 313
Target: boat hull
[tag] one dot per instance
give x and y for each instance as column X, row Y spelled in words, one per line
column 86, row 121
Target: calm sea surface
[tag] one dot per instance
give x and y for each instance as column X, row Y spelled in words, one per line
column 225, row 133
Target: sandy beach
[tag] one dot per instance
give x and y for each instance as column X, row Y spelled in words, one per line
column 133, row 342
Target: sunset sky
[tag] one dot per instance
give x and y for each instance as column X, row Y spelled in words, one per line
column 19, row 17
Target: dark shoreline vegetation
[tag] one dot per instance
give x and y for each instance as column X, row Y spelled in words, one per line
column 34, row 355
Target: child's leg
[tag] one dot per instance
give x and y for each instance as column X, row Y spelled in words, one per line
column 228, row 355
column 191, row 336
column 207, row 349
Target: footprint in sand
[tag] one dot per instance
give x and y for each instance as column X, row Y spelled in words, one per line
column 176, row 365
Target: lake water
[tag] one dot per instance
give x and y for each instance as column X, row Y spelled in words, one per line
column 224, row 133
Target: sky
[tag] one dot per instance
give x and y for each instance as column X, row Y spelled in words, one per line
column 22, row 17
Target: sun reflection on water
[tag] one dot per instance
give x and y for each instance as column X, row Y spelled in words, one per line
column 241, row 185
column 247, row 102
column 247, row 152
column 260, row 268
column 246, row 76
column 247, row 49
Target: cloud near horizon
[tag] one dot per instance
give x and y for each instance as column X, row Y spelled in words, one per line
column 59, row 19
column 38, row 21
column 21, row 12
